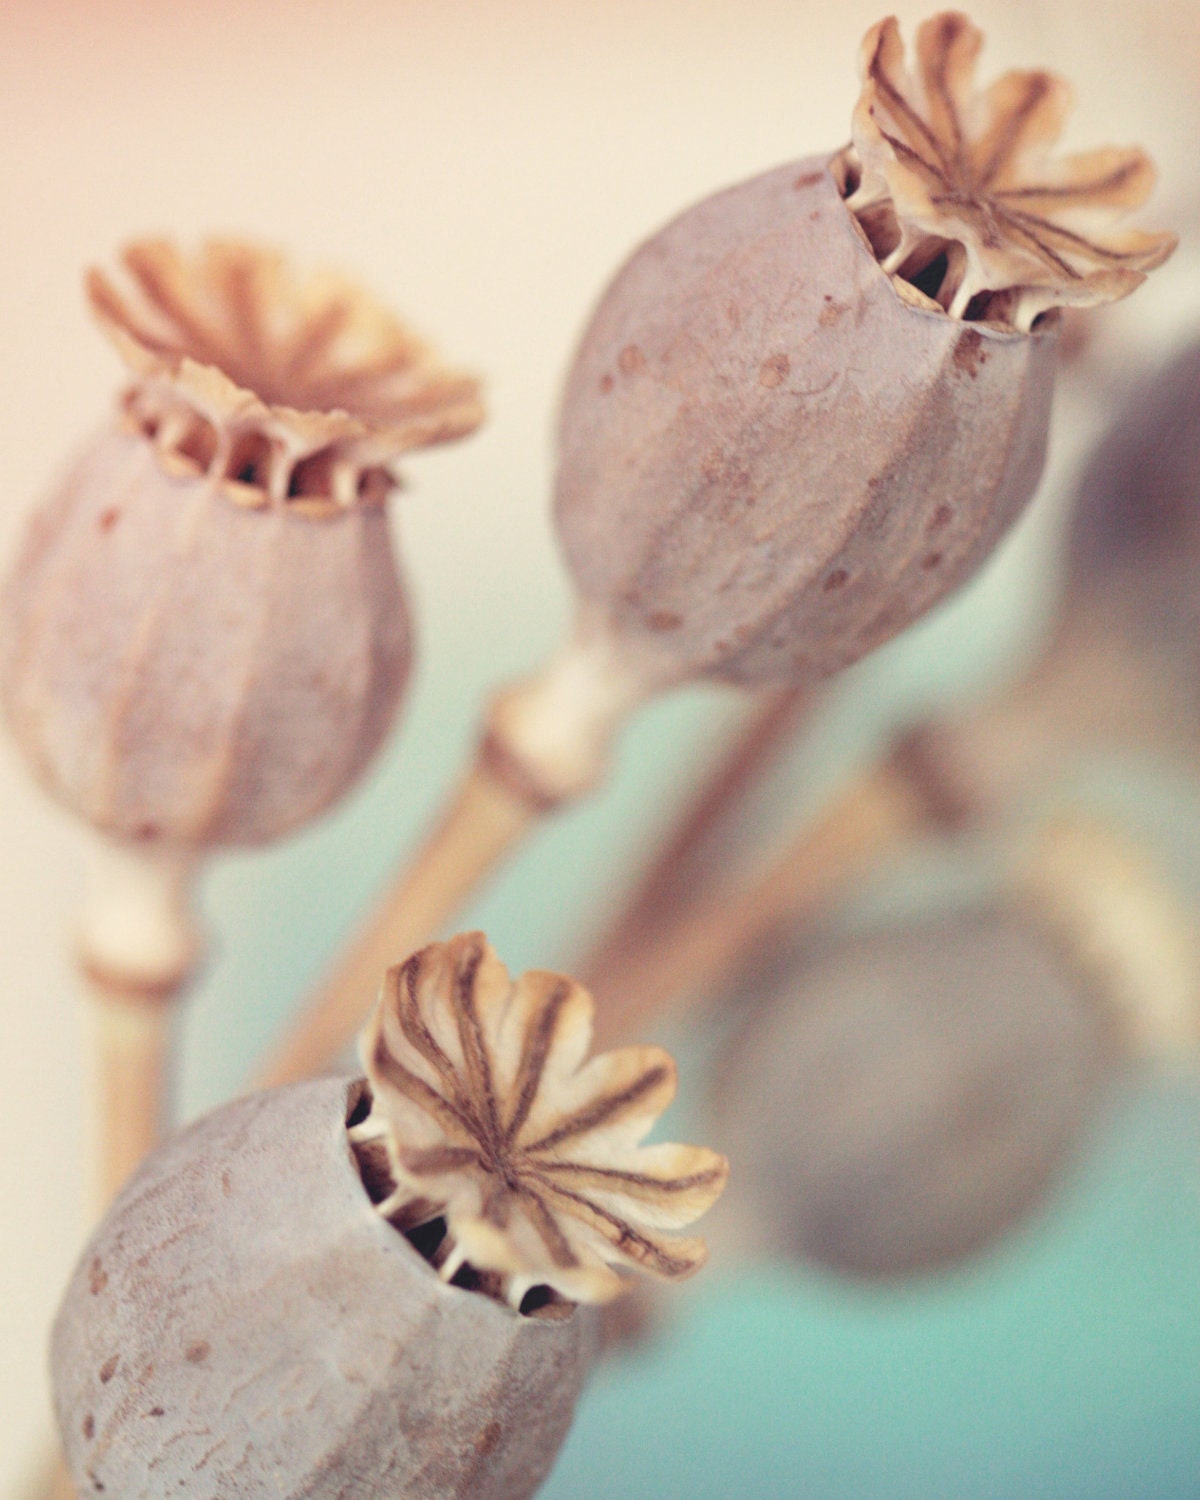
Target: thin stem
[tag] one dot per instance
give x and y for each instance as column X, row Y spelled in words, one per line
column 878, row 814
column 681, row 869
column 483, row 823
column 131, row 1050
column 138, row 946
column 547, row 742
column 941, row 775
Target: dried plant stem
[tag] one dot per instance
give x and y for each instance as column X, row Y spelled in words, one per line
column 131, row 1049
column 546, row 743
column 878, row 814
column 940, row 776
column 681, row 868
column 482, row 824
column 137, row 948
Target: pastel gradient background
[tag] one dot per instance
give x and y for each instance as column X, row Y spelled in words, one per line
column 484, row 166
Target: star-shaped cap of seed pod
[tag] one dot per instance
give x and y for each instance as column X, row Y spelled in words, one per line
column 949, row 169
column 495, row 1121
column 313, row 365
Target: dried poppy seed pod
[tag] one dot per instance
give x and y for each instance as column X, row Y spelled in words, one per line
column 777, row 450
column 245, row 1323
column 903, row 1098
column 780, row 440
column 205, row 637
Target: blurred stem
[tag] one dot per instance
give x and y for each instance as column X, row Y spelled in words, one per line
column 681, row 870
column 878, row 814
column 138, row 946
column 546, row 742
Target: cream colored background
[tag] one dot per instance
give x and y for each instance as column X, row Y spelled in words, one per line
column 482, row 166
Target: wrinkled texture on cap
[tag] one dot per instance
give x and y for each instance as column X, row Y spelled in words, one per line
column 770, row 462
column 968, row 173
column 902, row 1098
column 175, row 667
column 244, row 1324
column 291, row 388
column 496, row 1120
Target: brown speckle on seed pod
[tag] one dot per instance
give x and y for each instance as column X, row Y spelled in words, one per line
column 335, row 1360
column 806, row 395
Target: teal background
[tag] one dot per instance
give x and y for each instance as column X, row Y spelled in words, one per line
column 1065, row 1363
column 1063, row 1366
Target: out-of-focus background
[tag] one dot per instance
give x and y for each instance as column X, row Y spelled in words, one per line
column 484, row 166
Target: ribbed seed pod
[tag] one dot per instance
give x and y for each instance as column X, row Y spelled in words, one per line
column 802, row 412
column 183, row 668
column 770, row 461
column 903, row 1098
column 809, row 406
column 205, row 636
column 245, row 1323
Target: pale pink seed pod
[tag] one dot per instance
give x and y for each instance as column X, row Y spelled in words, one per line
column 901, row 1100
column 244, row 1323
column 205, row 637
column 176, row 666
column 771, row 460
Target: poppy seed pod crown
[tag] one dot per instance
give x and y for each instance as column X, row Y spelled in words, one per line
column 808, row 407
column 205, row 636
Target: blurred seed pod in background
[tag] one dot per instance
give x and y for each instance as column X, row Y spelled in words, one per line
column 897, row 1098
column 245, row 1323
column 1133, row 548
column 1120, row 665
column 205, row 637
column 904, row 1097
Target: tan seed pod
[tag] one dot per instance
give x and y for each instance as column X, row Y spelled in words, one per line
column 776, row 451
column 770, row 461
column 777, row 446
column 903, row 1099
column 245, row 1323
column 205, row 636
